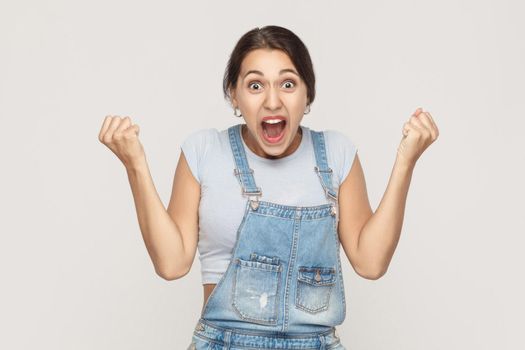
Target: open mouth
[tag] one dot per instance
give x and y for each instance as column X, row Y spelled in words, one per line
column 273, row 129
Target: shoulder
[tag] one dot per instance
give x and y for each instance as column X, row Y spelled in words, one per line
column 337, row 140
column 333, row 138
column 202, row 135
column 196, row 146
column 341, row 152
column 200, row 140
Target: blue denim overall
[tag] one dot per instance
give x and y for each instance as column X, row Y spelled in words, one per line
column 283, row 288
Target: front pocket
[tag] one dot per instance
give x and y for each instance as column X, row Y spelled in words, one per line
column 256, row 288
column 314, row 286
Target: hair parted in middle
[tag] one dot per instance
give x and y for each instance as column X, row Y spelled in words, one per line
column 270, row 37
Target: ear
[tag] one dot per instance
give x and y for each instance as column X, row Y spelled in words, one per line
column 233, row 97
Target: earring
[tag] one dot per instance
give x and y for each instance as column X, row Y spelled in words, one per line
column 235, row 113
column 308, row 109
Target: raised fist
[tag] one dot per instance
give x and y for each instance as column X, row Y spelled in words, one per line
column 121, row 137
column 419, row 132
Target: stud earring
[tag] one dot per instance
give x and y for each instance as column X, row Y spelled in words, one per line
column 307, row 109
column 235, row 113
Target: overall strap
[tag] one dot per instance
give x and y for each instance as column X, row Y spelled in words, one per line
column 322, row 169
column 242, row 169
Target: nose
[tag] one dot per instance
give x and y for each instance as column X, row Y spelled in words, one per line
column 273, row 99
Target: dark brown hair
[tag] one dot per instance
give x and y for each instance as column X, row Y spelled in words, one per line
column 271, row 37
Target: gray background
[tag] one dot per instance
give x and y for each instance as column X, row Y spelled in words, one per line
column 75, row 273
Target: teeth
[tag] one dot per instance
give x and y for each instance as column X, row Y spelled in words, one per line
column 273, row 121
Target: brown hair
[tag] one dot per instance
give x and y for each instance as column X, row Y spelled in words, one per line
column 271, row 37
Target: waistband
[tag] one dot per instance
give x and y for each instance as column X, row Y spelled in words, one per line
column 248, row 338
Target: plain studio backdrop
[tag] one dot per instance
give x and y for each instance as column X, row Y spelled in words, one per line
column 75, row 271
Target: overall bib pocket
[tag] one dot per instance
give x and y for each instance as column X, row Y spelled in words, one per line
column 314, row 286
column 256, row 288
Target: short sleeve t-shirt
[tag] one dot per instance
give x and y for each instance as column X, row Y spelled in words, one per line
column 290, row 180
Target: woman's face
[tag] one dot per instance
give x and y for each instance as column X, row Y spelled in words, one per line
column 272, row 99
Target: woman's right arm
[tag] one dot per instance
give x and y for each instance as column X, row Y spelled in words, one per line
column 170, row 235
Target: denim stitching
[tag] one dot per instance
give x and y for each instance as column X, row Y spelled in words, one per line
column 275, row 212
column 223, row 277
column 239, row 263
column 304, row 282
column 339, row 272
column 291, row 264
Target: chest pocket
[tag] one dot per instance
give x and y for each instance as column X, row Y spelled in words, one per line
column 256, row 288
column 314, row 287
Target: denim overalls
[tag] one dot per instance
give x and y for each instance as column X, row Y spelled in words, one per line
column 283, row 288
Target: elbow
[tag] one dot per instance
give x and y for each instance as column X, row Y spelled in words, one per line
column 171, row 274
column 372, row 274
column 376, row 276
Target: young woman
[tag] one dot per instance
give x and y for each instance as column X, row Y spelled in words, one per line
column 268, row 203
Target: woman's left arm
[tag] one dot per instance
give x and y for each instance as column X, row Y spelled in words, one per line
column 370, row 239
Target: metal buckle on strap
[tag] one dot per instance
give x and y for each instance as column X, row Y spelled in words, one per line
column 333, row 210
column 238, row 172
column 254, row 201
column 328, row 170
column 257, row 193
column 327, row 192
column 253, row 196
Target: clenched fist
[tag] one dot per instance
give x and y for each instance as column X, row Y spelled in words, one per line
column 419, row 132
column 121, row 137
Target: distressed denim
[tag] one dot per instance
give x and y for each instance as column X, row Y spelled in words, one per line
column 283, row 288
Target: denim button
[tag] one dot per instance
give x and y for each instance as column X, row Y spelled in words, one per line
column 254, row 204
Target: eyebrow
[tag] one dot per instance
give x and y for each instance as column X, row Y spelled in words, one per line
column 280, row 72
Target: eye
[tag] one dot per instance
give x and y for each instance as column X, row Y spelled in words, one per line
column 254, row 83
column 290, row 82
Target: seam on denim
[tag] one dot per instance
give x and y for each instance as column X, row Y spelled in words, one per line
column 303, row 283
column 326, row 301
column 339, row 268
column 209, row 340
column 224, row 275
column 261, row 213
column 271, row 320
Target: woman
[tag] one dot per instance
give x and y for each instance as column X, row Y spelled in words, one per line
column 268, row 203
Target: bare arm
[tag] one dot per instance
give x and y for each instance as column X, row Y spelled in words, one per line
column 170, row 235
column 354, row 212
column 370, row 239
column 380, row 235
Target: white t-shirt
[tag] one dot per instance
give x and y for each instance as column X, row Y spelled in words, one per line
column 290, row 180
